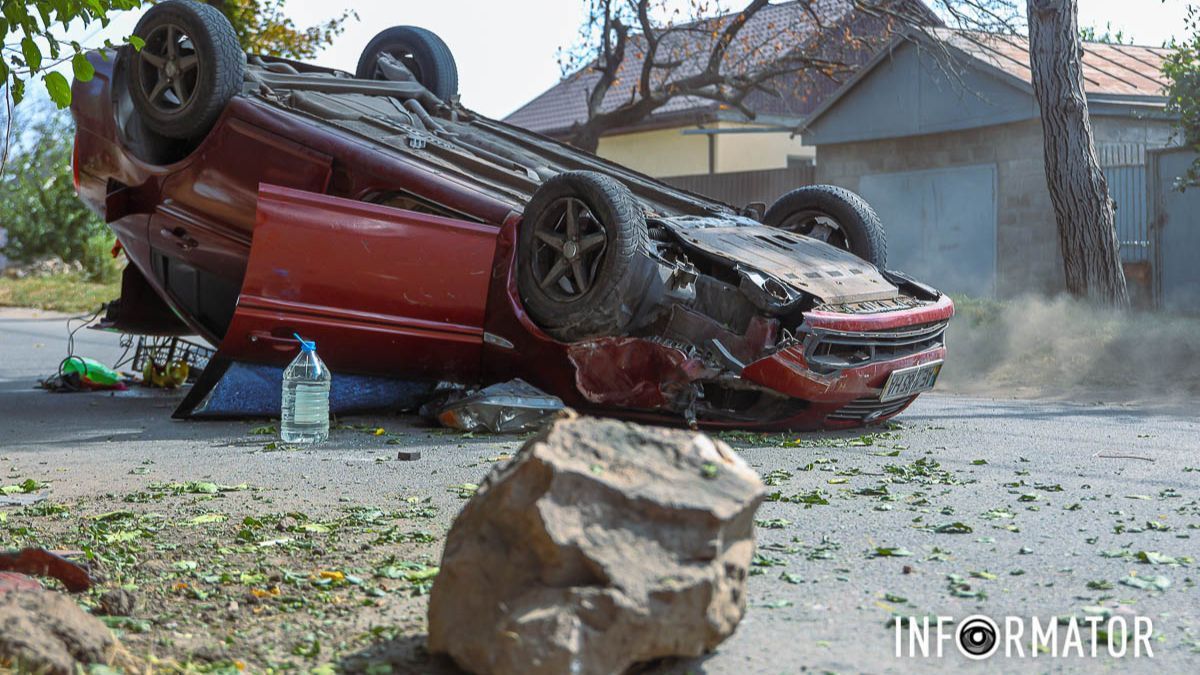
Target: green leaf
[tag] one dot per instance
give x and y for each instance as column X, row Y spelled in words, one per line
column 59, row 89
column 207, row 518
column 954, row 528
column 1156, row 558
column 891, row 552
column 1146, row 583
column 776, row 604
column 84, row 70
column 26, row 486
column 33, row 55
column 773, row 523
column 136, row 41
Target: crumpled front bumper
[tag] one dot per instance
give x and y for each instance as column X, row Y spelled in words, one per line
column 788, row 373
column 638, row 374
column 848, row 396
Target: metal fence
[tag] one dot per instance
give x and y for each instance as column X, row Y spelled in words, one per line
column 740, row 188
column 1124, row 166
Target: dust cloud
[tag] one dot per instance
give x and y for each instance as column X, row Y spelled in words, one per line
column 1063, row 347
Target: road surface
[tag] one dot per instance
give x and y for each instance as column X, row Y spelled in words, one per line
column 971, row 506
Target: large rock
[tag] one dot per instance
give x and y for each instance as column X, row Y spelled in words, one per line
column 47, row 632
column 600, row 545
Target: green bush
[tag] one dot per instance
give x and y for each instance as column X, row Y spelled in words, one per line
column 1182, row 69
column 38, row 206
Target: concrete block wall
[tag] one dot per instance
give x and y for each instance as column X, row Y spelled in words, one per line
column 1027, row 253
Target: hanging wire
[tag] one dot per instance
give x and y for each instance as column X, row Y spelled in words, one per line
column 125, row 358
column 85, row 319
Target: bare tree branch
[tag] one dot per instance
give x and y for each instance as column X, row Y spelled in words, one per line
column 713, row 57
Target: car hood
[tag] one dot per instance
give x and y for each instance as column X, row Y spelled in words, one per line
column 779, row 261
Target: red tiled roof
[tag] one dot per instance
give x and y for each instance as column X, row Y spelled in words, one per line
column 564, row 105
column 1113, row 70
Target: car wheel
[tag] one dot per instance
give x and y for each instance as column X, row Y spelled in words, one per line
column 190, row 66
column 581, row 256
column 421, row 51
column 834, row 215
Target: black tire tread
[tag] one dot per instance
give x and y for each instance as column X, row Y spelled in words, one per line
column 226, row 61
column 604, row 310
column 867, row 238
column 440, row 72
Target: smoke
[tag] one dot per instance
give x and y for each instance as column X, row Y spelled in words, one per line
column 1062, row 347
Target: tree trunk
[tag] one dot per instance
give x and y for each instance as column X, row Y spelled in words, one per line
column 585, row 137
column 1086, row 227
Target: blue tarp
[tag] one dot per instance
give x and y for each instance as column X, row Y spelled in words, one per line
column 249, row 390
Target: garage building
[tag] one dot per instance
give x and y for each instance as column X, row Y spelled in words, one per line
column 940, row 133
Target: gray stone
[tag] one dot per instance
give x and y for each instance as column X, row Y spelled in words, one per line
column 602, row 544
column 47, row 632
column 119, row 602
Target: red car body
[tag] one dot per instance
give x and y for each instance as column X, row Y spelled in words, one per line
column 266, row 228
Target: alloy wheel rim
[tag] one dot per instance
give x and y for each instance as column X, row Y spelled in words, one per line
column 169, row 68
column 405, row 57
column 569, row 247
column 817, row 225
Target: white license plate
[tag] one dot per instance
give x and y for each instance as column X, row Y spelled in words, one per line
column 909, row 381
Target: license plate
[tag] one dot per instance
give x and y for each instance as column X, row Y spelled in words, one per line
column 908, row 381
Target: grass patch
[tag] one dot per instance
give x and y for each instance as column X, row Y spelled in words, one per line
column 61, row 293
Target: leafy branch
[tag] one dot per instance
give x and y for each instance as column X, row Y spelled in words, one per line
column 31, row 48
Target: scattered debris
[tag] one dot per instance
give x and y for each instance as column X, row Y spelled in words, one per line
column 167, row 362
column 600, row 545
column 408, row 455
column 510, row 407
column 41, row 563
column 1107, row 456
column 47, row 266
column 79, row 373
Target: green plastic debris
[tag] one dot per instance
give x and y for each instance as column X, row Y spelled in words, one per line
column 91, row 372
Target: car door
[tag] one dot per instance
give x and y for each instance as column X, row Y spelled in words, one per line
column 201, row 231
column 381, row 290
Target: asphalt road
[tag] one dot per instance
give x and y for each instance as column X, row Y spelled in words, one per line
column 1004, row 507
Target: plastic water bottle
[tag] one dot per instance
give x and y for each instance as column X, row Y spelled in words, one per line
column 305, row 417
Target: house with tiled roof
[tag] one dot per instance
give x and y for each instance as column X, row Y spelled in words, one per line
column 941, row 133
column 689, row 136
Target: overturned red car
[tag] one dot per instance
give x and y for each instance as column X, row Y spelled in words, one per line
column 259, row 197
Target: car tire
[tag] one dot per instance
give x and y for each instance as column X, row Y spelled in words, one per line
column 834, row 215
column 421, row 51
column 604, row 254
column 189, row 68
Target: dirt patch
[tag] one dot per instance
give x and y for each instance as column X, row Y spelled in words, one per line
column 1035, row 347
column 207, row 577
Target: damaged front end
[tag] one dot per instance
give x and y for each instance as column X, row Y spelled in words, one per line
column 748, row 326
